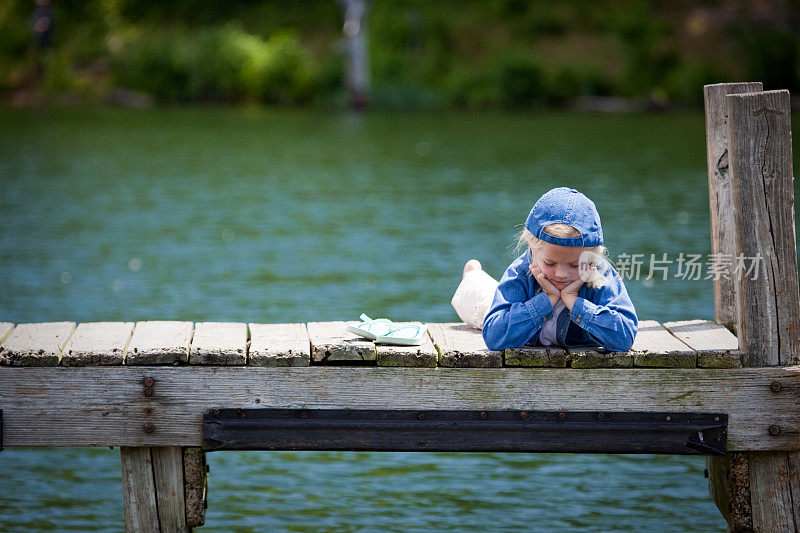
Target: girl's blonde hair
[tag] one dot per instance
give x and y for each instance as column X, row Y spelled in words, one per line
column 527, row 240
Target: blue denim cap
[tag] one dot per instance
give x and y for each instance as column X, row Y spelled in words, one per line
column 566, row 206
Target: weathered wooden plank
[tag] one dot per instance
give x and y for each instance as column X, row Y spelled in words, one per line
column 763, row 194
column 655, row 347
column 537, row 356
column 331, row 343
column 770, row 492
column 97, row 343
column 219, row 343
column 159, row 343
column 89, row 406
column 5, row 330
column 720, row 190
column 716, row 346
column 589, row 358
column 194, row 468
column 168, row 477
column 460, row 345
column 424, row 355
column 138, row 490
column 279, row 345
column 37, row 344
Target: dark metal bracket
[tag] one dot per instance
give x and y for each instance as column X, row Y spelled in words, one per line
column 465, row 431
column 1, row 430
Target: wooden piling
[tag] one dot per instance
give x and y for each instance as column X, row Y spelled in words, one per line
column 729, row 483
column 720, row 190
column 769, row 322
column 153, row 489
column 761, row 173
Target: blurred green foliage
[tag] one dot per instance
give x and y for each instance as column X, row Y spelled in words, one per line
column 460, row 53
column 216, row 65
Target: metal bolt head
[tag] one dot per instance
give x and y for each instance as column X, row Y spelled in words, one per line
column 775, row 386
column 562, row 416
column 149, row 382
column 421, row 416
column 149, row 428
column 774, row 430
column 148, row 392
column 483, row 415
column 303, row 415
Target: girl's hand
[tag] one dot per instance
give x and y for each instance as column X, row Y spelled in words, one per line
column 549, row 289
column 570, row 293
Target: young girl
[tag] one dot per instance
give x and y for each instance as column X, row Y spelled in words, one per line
column 560, row 291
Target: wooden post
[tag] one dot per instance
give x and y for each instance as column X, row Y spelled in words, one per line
column 768, row 318
column 720, row 190
column 729, row 483
column 153, row 489
column 138, row 490
column 761, row 172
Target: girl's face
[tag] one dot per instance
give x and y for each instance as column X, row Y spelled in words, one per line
column 559, row 264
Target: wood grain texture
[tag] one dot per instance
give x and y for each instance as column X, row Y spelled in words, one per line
column 37, row 344
column 195, row 479
column 588, row 358
column 537, row 356
column 279, row 345
column 655, row 347
column 159, row 343
column 763, row 193
column 424, row 355
column 770, row 493
column 97, row 343
column 462, row 346
column 768, row 298
column 105, row 406
column 168, row 477
column 5, row 330
column 138, row 490
column 720, row 190
column 219, row 343
column 716, row 346
column 331, row 342
column 654, row 338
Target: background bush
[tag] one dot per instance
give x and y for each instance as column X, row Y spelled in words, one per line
column 458, row 53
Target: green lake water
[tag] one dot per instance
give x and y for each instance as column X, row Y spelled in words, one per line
column 294, row 216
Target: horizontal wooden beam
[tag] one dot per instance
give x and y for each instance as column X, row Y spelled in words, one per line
column 164, row 406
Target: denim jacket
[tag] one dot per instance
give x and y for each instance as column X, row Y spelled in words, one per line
column 602, row 317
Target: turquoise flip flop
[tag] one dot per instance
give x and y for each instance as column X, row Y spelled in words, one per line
column 410, row 335
column 372, row 329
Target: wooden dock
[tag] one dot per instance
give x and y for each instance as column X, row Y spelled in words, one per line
column 154, row 388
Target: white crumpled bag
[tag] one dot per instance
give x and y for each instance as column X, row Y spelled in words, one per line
column 474, row 296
